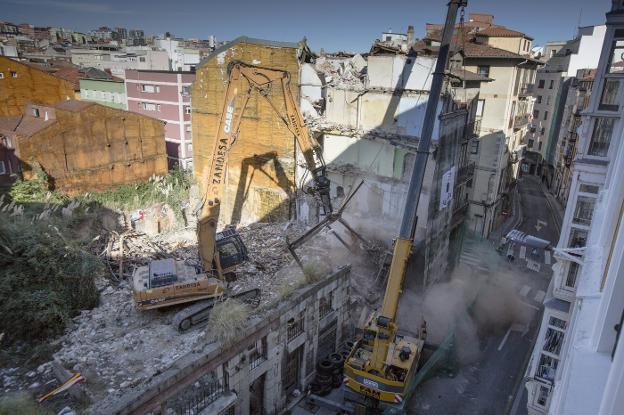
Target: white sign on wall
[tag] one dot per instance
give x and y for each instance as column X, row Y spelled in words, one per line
column 446, row 189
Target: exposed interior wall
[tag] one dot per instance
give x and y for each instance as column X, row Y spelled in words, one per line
column 95, row 148
column 22, row 84
column 261, row 165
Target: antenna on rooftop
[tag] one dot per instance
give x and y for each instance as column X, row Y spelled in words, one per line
column 578, row 24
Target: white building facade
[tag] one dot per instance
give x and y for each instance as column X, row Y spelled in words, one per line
column 577, row 366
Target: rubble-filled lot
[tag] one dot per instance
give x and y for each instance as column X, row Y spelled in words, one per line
column 116, row 347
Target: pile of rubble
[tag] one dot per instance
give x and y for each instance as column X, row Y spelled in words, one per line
column 343, row 72
column 116, row 347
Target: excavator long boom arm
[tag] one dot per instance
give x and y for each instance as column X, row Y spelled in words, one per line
column 261, row 80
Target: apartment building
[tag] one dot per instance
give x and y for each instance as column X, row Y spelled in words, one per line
column 181, row 58
column 165, row 95
column 576, row 102
column 117, row 59
column 577, row 365
column 504, row 56
column 550, row 91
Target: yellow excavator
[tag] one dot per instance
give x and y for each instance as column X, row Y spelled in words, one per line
column 169, row 282
column 382, row 363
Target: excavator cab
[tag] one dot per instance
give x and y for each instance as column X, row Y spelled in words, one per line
column 232, row 250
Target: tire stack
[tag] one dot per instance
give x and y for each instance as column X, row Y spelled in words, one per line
column 329, row 371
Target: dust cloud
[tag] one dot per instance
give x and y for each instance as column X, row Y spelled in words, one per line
column 474, row 302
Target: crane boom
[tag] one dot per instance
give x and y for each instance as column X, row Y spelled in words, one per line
column 382, row 364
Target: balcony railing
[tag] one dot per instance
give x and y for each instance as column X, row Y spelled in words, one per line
column 295, row 328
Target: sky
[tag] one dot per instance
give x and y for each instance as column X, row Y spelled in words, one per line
column 349, row 25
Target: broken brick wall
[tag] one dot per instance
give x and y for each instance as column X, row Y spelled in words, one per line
column 261, row 167
column 96, row 148
column 21, row 84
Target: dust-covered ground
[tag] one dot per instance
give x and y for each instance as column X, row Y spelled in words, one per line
column 117, row 347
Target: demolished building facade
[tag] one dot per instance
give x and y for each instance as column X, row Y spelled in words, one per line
column 370, row 121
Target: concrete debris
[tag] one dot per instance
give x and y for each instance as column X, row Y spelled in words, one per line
column 117, row 347
column 344, row 73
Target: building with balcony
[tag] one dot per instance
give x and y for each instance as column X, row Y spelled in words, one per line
column 576, row 102
column 165, row 95
column 577, row 365
column 550, row 92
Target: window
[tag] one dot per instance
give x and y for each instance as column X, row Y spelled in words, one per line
column 2, row 168
column 601, row 137
column 150, row 88
column 35, row 112
column 484, row 70
column 589, row 188
column 542, row 131
column 553, row 341
column 552, row 83
column 572, row 275
column 557, row 322
column 540, row 84
column 539, row 99
column 545, row 115
column 187, row 109
column 531, row 142
column 388, row 38
column 480, row 106
column 584, row 210
column 578, row 238
column 547, row 367
column 1, row 75
column 186, row 90
column 542, row 394
column 536, row 114
column 608, row 99
column 141, row 59
column 150, row 106
column 539, row 146
column 13, row 74
column 474, row 147
column 616, row 63
column 548, row 100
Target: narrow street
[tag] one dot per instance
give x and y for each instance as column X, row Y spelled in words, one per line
column 490, row 384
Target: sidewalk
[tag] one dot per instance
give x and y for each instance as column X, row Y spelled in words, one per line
column 512, row 221
column 556, row 208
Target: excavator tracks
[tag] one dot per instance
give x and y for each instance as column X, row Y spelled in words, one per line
column 198, row 314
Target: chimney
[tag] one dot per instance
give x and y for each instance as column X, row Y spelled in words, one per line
column 410, row 35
